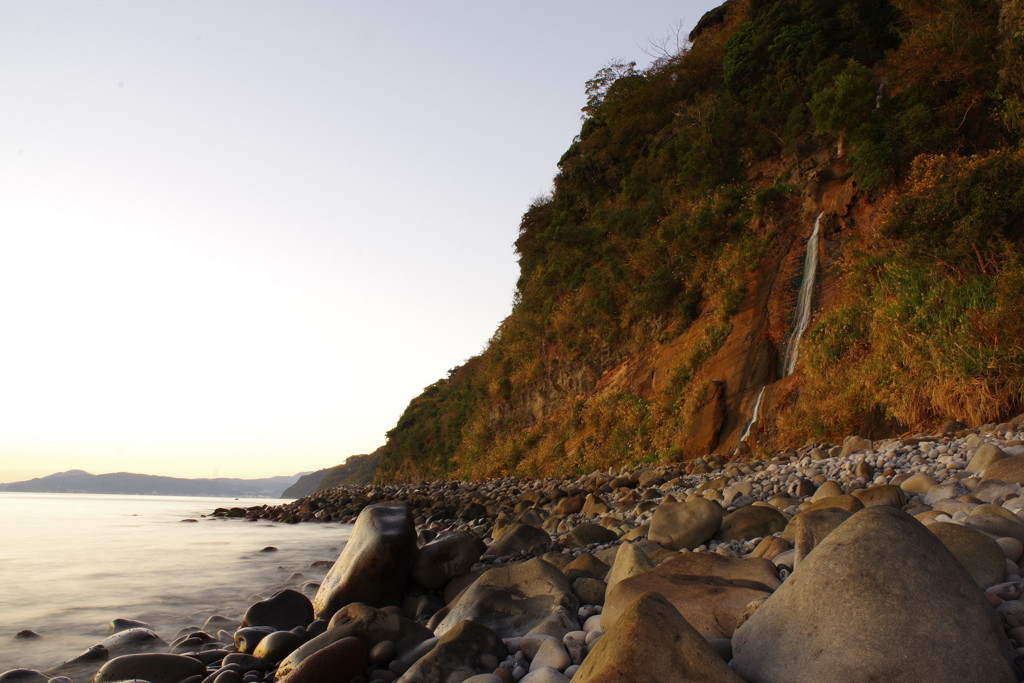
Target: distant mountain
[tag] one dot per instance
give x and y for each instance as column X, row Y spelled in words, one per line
column 306, row 485
column 79, row 481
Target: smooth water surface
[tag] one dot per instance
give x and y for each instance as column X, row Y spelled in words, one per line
column 71, row 563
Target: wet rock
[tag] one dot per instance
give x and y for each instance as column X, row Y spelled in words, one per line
column 375, row 562
column 685, row 525
column 652, row 637
column 23, row 676
column 125, row 624
column 371, row 625
column 873, row 602
column 283, row 611
column 444, row 558
column 246, row 639
column 278, row 645
column 151, row 667
column 517, row 599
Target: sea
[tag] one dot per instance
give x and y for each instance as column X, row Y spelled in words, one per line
column 72, row 563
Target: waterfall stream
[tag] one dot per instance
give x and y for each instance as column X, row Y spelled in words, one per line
column 800, row 322
column 753, row 416
column 803, row 301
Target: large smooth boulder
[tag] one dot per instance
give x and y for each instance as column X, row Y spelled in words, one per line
column 709, row 590
column 517, row 599
column 980, row 554
column 284, row 611
column 880, row 599
column 753, row 521
column 370, row 624
column 467, row 649
column 447, row 556
column 651, row 641
column 685, row 525
column 152, row 667
column 375, row 563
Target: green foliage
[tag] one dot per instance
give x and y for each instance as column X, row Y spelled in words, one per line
column 846, row 102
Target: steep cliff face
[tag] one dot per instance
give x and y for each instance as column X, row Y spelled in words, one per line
column 660, row 281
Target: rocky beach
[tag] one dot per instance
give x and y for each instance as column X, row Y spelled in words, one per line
column 897, row 559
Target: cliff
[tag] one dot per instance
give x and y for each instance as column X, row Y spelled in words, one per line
column 660, row 281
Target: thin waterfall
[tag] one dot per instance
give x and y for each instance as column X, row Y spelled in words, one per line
column 753, row 416
column 803, row 301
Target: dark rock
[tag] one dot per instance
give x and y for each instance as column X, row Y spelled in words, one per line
column 448, row 556
column 375, row 562
column 339, row 662
column 247, row 638
column 587, row 533
column 521, row 538
column 753, row 521
column 283, row 611
column 151, row 667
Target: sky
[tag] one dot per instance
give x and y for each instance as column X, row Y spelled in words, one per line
column 238, row 237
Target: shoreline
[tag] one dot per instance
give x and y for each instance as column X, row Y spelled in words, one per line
column 713, row 551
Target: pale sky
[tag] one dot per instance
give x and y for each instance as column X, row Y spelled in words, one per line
column 238, row 237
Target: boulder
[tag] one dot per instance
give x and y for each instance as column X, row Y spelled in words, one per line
column 585, row 565
column 339, row 662
column 844, row 502
column 985, row 456
column 753, row 521
column 278, row 645
column 447, row 556
column 369, row 624
column 875, row 601
column 283, row 611
column 629, row 561
column 827, row 490
column 1009, row 469
column 516, row 599
column 918, row 484
column 587, row 533
column 809, row 528
column 467, row 649
column 685, row 525
column 652, row 637
column 995, row 524
column 152, row 667
column 771, row 546
column 709, row 590
column 375, row 563
column 881, row 495
column 980, row 555
column 520, row 538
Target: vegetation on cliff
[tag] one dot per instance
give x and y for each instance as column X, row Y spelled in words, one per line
column 660, row 268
